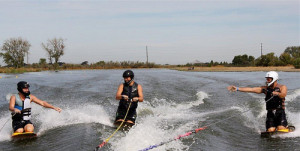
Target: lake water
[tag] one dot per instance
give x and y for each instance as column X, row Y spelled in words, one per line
column 175, row 103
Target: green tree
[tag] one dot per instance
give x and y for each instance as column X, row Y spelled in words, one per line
column 43, row 62
column 101, row 63
column 296, row 63
column 286, row 58
column 14, row 51
column 211, row 63
column 267, row 60
column 243, row 60
column 294, row 51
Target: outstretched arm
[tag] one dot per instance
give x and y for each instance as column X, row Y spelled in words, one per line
column 233, row 88
column 44, row 103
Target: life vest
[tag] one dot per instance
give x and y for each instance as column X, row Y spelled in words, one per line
column 276, row 102
column 24, row 107
column 131, row 92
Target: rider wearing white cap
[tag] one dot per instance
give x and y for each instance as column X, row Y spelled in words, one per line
column 275, row 97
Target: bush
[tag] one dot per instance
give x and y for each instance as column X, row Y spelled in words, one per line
column 243, row 60
column 297, row 63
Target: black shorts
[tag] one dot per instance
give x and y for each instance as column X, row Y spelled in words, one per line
column 130, row 116
column 276, row 118
column 16, row 124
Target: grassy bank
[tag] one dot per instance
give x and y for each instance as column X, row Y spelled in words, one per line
column 11, row 70
column 238, row 69
column 199, row 69
column 18, row 70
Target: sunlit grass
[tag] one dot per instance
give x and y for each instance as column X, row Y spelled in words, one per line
column 18, row 70
column 239, row 69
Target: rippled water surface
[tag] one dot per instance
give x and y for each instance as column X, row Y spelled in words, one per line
column 175, row 103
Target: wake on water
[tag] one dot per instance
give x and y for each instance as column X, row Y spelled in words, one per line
column 159, row 120
column 168, row 120
column 50, row 119
column 164, row 123
column 153, row 117
column 47, row 119
column 292, row 117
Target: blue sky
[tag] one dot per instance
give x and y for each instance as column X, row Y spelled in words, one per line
column 176, row 32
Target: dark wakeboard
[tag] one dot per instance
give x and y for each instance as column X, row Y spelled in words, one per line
column 25, row 135
column 277, row 132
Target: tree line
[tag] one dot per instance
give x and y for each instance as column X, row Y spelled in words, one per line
column 107, row 65
column 290, row 56
column 14, row 51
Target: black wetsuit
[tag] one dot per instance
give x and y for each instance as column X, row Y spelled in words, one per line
column 131, row 92
column 276, row 109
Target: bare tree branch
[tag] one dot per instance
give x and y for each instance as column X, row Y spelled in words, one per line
column 55, row 49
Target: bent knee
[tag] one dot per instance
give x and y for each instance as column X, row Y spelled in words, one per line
column 20, row 130
column 129, row 121
column 280, row 127
column 271, row 129
column 29, row 128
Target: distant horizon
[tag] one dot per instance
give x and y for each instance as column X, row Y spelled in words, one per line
column 176, row 32
column 192, row 61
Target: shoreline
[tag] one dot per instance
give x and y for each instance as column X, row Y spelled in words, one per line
column 188, row 69
column 237, row 69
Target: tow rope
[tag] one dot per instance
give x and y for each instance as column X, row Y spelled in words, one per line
column 194, row 131
column 4, row 124
column 12, row 114
column 106, row 141
column 178, row 137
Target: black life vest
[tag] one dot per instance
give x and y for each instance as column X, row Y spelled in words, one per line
column 276, row 102
column 131, row 92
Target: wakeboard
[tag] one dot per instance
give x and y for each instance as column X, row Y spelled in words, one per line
column 24, row 135
column 277, row 132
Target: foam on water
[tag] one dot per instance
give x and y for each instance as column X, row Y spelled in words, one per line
column 8, row 96
column 167, row 121
column 162, row 123
column 292, row 97
column 47, row 119
column 90, row 113
column 293, row 117
column 6, row 131
column 200, row 97
column 6, row 123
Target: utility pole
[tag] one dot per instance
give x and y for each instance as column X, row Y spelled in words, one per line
column 27, row 57
column 261, row 50
column 147, row 55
